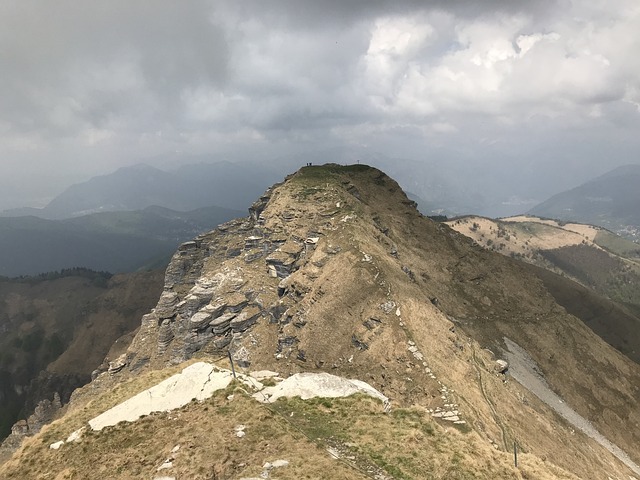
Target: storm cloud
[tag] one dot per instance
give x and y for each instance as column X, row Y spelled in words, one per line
column 87, row 87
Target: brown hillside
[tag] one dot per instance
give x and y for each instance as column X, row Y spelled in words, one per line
column 591, row 256
column 56, row 331
column 337, row 271
column 614, row 324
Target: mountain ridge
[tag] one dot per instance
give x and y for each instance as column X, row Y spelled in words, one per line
column 335, row 270
column 610, row 200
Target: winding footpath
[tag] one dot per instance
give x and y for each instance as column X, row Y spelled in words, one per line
column 494, row 412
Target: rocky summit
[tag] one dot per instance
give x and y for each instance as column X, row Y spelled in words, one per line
column 479, row 372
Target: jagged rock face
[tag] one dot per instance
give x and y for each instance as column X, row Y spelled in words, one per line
column 336, row 270
column 44, row 412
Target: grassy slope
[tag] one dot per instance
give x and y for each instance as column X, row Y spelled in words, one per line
column 406, row 444
column 608, row 264
column 618, row 245
column 614, row 324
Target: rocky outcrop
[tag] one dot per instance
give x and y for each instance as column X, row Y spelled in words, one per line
column 217, row 288
column 501, row 366
column 45, row 412
column 118, row 364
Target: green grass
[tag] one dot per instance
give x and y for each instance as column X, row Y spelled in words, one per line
column 618, row 245
column 330, row 171
column 403, row 443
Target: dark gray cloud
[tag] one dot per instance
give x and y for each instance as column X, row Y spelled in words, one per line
column 87, row 87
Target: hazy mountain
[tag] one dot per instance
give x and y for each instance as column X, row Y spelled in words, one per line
column 446, row 185
column 611, row 200
column 190, row 187
column 336, row 272
column 111, row 241
column 56, row 328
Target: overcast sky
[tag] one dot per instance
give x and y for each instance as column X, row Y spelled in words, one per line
column 87, row 87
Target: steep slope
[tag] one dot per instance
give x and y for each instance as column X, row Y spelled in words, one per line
column 335, row 270
column 595, row 258
column 57, row 328
column 611, row 201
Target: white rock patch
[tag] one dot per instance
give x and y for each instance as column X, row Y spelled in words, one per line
column 310, row 385
column 198, row 381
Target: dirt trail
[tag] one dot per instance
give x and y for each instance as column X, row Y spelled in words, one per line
column 524, row 369
column 494, row 413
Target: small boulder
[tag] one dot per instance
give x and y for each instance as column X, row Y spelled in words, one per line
column 118, row 364
column 501, row 366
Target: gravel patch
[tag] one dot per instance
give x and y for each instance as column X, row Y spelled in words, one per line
column 525, row 370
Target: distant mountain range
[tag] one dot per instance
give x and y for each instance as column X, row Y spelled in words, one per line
column 449, row 186
column 111, row 241
column 611, row 201
column 135, row 217
column 190, row 187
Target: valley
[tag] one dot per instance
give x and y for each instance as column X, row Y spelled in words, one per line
column 58, row 328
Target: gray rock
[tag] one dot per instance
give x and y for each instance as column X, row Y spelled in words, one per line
column 118, row 364
column 282, row 263
column 166, row 307
column 286, row 342
column 216, row 308
column 501, row 366
column 200, row 320
column 241, row 357
column 258, row 206
column 253, row 255
column 236, row 302
column 222, row 324
column 252, row 242
column 222, row 342
column 287, row 216
column 165, row 335
column 187, row 246
column 193, row 302
column 245, row 319
column 359, row 344
column 186, row 265
column 387, row 307
column 282, row 286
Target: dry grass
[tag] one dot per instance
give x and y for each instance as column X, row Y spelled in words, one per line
column 375, row 248
column 405, row 444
